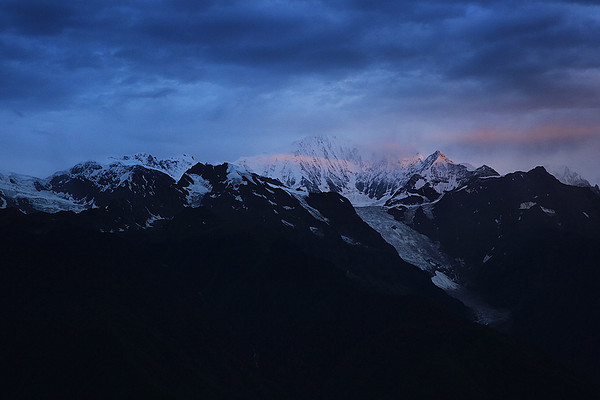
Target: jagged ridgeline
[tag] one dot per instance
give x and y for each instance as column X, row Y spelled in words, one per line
column 322, row 164
column 319, row 273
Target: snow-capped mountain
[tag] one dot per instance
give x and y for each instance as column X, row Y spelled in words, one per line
column 175, row 167
column 29, row 193
column 122, row 197
column 568, row 177
column 321, row 164
column 434, row 176
column 92, row 184
column 234, row 189
column 317, row 164
column 249, row 290
column 509, row 248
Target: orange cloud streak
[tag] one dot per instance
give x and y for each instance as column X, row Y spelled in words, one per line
column 547, row 134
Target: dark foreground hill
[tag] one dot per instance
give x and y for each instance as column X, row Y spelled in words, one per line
column 528, row 244
column 223, row 304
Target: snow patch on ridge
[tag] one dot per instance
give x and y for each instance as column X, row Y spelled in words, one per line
column 419, row 250
column 287, row 223
column 197, row 190
column 236, row 175
column 548, row 211
column 300, row 195
column 412, row 246
column 175, row 167
column 153, row 218
column 349, row 240
column 443, row 282
column 527, row 205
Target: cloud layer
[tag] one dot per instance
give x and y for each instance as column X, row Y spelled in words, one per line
column 515, row 81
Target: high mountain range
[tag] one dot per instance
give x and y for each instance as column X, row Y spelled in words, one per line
column 324, row 272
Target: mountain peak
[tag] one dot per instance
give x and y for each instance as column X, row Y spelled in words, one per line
column 326, row 148
column 567, row 176
column 327, row 163
column 437, row 157
column 172, row 166
column 442, row 156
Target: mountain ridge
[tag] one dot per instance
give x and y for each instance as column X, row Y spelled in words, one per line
column 458, row 224
column 320, row 164
column 316, row 164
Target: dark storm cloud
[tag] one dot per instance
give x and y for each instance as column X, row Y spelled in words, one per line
column 499, row 44
column 531, row 51
column 37, row 18
column 325, row 64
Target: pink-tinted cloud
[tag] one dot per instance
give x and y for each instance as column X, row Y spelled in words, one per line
column 543, row 135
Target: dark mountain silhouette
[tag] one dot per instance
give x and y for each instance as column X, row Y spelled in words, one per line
column 529, row 244
column 227, row 284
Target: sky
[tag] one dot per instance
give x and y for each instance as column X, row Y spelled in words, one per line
column 511, row 84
